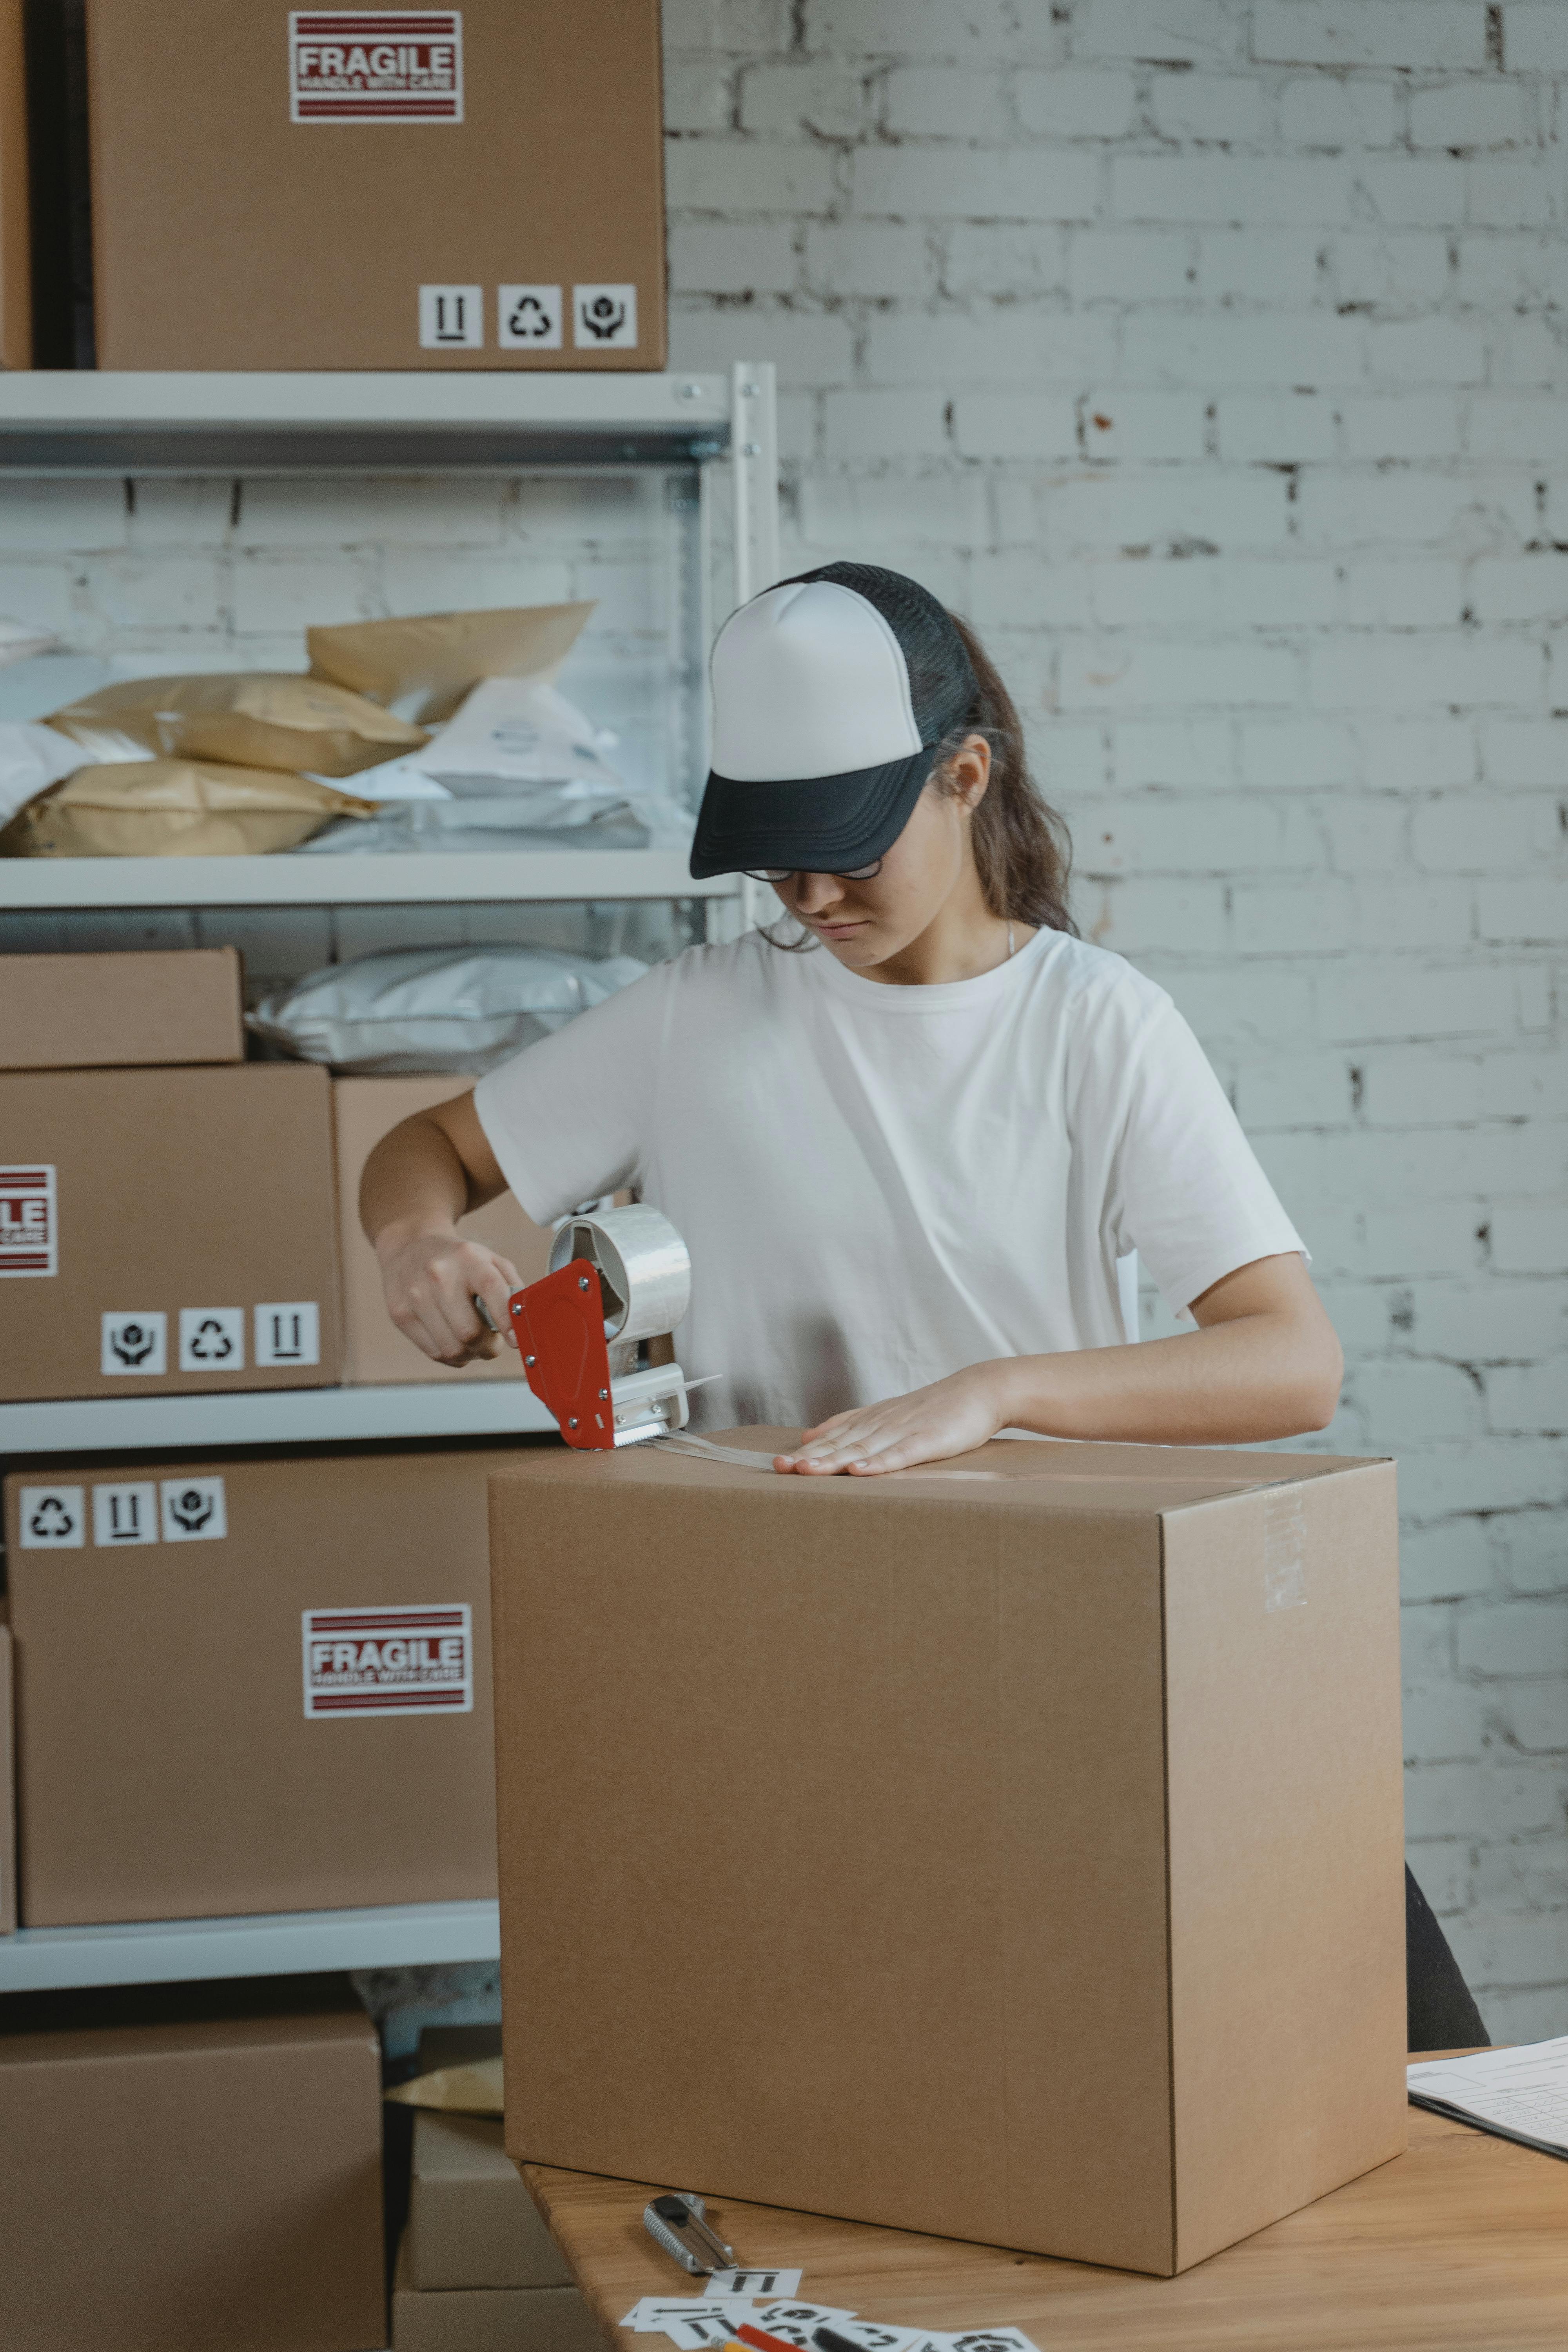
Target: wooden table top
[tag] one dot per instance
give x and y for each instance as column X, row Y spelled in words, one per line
column 1461, row 2245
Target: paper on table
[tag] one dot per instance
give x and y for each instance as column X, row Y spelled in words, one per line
column 1518, row 2094
column 764, row 2285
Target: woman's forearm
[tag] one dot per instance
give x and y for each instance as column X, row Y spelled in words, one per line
column 413, row 1182
column 1250, row 1378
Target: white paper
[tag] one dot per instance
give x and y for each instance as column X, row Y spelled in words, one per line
column 762, row 2285
column 987, row 2339
column 657, row 2312
column 714, row 2327
column 792, row 2323
column 1518, row 2094
column 876, row 2336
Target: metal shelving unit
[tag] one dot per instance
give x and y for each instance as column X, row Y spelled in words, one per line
column 457, row 1408
column 377, row 879
column 272, row 1944
column 96, row 424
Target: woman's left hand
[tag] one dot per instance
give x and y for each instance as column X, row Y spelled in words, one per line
column 952, row 1416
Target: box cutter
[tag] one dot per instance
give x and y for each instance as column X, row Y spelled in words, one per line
column 677, row 2223
column 616, row 1278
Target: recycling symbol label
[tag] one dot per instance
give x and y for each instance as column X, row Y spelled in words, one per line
column 193, row 1510
column 605, row 318
column 135, row 1341
column 51, row 1518
column 212, row 1338
column 529, row 318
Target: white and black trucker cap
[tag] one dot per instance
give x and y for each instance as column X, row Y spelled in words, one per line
column 830, row 693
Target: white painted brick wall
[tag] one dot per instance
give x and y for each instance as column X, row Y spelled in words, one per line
column 1210, row 354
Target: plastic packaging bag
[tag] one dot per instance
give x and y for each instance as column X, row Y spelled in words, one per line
column 437, row 1009
column 519, row 731
column 20, row 640
column 423, row 665
column 32, row 758
column 259, row 718
column 174, row 808
column 542, row 816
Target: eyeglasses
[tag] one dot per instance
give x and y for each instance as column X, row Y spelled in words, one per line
column 783, row 873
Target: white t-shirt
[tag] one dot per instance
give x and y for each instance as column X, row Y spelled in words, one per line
column 878, row 1184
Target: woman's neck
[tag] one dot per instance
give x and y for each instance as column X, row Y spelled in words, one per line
column 964, row 941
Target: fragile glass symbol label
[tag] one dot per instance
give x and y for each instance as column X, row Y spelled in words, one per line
column 376, row 65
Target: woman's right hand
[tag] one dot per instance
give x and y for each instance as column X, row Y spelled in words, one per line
column 431, row 1278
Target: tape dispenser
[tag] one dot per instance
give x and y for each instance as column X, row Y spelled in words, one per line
column 617, row 1279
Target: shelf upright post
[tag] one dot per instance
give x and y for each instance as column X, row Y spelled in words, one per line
column 754, row 447
column 754, row 443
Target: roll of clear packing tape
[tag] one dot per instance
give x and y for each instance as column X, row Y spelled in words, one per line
column 644, row 1267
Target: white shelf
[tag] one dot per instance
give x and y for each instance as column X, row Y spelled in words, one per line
column 92, row 421
column 273, row 1417
column 271, row 1944
column 377, row 879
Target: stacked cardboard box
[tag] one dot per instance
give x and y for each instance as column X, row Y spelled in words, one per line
column 366, row 191
column 375, row 1349
column 116, row 1011
column 167, row 1212
column 252, row 1684
column 477, row 2271
column 191, row 2165
column 1067, row 1782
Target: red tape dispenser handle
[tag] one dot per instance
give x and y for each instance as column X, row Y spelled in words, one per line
column 560, row 1326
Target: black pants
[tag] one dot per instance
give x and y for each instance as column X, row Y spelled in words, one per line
column 1441, row 2008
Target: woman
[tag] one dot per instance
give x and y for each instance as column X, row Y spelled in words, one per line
column 907, row 1156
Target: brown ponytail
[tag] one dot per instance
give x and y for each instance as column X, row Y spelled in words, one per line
column 1021, row 845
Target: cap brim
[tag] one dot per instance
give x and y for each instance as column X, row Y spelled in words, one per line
column 824, row 825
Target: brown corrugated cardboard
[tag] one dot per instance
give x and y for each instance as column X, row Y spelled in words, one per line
column 490, row 2319
column 87, row 1011
column 191, row 1741
column 375, row 1349
column 7, row 1790
column 165, row 1230
column 173, row 2177
column 471, row 2222
column 498, row 206
column 15, row 206
column 1054, row 1892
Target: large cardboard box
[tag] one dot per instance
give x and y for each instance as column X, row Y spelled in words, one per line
column 478, row 187
column 85, row 1012
column 191, row 2166
column 167, row 1230
column 490, row 2319
column 375, row 1349
column 1024, row 1833
column 252, row 1684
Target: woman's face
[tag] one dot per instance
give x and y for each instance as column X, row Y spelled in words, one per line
column 864, row 924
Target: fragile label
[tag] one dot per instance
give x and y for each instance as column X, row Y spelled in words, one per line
column 29, row 1228
column 413, row 1660
column 376, row 65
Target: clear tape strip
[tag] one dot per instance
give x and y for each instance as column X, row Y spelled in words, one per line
column 734, row 1457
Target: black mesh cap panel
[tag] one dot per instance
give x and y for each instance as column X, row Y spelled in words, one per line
column 942, row 684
